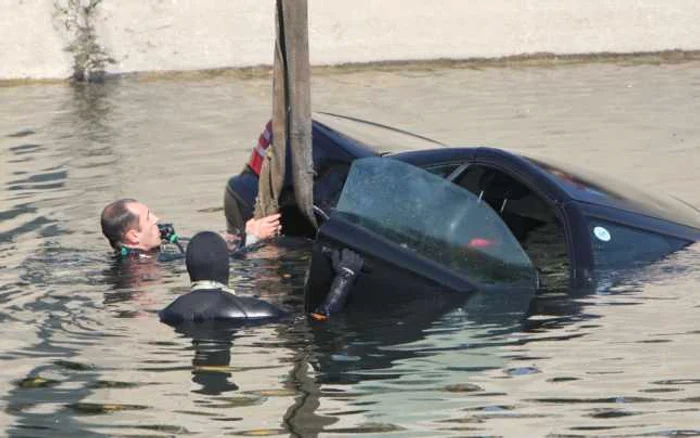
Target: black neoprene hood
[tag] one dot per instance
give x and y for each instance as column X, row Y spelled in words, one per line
column 207, row 258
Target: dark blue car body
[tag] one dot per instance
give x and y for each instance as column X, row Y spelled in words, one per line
column 571, row 223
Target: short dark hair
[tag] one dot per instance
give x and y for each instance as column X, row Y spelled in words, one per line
column 116, row 220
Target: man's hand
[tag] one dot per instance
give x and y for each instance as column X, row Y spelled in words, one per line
column 264, row 228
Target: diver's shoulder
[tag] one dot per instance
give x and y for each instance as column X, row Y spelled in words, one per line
column 217, row 304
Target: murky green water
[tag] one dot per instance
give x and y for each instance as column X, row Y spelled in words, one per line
column 84, row 355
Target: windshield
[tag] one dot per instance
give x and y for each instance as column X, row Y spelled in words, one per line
column 430, row 216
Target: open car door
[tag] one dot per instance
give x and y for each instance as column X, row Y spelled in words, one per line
column 421, row 237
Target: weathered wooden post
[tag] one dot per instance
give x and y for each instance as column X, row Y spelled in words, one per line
column 291, row 113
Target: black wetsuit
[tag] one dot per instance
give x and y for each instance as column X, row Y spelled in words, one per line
column 219, row 305
column 207, row 262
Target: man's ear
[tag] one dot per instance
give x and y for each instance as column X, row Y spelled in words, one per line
column 131, row 237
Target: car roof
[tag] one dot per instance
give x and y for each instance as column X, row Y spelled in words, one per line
column 379, row 138
column 569, row 183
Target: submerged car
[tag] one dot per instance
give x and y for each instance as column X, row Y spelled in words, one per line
column 459, row 219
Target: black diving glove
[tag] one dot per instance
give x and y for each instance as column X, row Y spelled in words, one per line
column 346, row 262
column 347, row 265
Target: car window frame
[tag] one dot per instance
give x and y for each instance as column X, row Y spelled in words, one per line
column 337, row 212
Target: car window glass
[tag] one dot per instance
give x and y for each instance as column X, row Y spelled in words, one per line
column 428, row 215
column 619, row 245
column 442, row 170
column 529, row 217
column 588, row 186
column 328, row 186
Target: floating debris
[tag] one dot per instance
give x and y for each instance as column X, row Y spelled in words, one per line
column 463, row 387
column 100, row 408
column 37, row 382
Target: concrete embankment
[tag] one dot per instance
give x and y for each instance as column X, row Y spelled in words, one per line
column 62, row 38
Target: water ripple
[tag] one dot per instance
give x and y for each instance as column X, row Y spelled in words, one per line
column 83, row 348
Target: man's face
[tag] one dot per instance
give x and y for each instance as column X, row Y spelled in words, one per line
column 146, row 235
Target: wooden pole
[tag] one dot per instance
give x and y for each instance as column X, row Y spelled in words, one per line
column 291, row 113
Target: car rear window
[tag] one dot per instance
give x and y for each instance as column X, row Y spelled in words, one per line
column 588, row 186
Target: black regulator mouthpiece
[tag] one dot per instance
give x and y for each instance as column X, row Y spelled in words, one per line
column 168, row 234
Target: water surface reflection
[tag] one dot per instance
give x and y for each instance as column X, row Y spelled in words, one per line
column 84, row 353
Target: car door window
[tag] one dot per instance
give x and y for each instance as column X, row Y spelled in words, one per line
column 528, row 216
column 428, row 215
column 328, row 186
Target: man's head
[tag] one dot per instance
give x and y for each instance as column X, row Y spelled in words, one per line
column 207, row 258
column 129, row 223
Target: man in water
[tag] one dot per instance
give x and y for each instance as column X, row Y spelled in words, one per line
column 132, row 228
column 211, row 299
